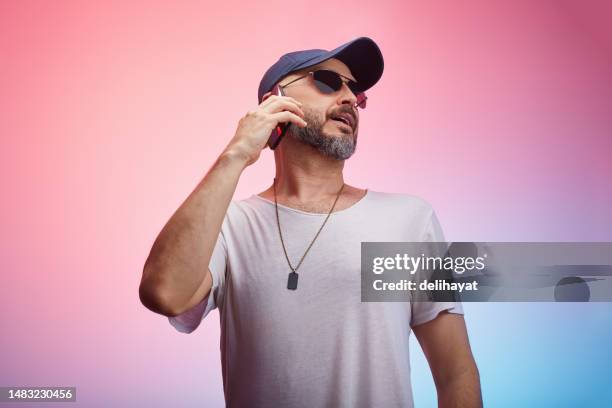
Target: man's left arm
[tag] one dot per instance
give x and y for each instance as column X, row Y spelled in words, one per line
column 444, row 341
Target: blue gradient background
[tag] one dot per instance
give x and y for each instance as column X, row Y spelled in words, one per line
column 535, row 355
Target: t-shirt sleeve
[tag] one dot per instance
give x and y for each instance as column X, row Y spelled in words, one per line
column 423, row 312
column 189, row 320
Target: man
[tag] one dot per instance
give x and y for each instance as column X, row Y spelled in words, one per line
column 283, row 266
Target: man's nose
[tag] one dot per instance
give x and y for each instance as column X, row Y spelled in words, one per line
column 346, row 95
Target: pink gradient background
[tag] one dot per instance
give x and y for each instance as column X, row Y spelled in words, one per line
column 498, row 113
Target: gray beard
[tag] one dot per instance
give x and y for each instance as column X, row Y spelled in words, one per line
column 337, row 147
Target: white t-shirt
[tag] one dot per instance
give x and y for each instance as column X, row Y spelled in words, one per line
column 319, row 345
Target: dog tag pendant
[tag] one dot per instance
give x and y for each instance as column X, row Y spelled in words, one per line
column 292, row 281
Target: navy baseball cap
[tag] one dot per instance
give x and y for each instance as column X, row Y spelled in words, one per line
column 361, row 55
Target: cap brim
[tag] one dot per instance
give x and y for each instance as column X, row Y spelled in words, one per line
column 362, row 56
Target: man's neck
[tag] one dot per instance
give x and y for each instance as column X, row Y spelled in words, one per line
column 308, row 180
column 305, row 175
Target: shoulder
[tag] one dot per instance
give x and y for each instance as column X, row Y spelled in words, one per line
column 402, row 202
column 245, row 207
column 249, row 210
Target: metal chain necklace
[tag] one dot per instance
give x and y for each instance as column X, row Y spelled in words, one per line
column 292, row 280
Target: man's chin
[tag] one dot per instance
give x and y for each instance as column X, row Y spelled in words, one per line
column 330, row 141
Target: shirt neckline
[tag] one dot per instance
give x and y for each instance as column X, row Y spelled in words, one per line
column 367, row 194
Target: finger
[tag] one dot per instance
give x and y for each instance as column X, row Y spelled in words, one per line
column 293, row 100
column 266, row 98
column 286, row 116
column 283, row 104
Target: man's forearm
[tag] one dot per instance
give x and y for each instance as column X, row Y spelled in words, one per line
column 463, row 391
column 178, row 261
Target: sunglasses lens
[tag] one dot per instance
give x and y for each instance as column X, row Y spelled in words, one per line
column 327, row 81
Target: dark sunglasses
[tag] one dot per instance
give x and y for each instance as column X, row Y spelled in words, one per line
column 329, row 82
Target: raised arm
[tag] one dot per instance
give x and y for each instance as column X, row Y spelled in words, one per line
column 175, row 275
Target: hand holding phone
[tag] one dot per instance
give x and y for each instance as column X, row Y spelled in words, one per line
column 265, row 126
column 281, row 128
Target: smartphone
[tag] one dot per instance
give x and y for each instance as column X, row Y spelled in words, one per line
column 280, row 129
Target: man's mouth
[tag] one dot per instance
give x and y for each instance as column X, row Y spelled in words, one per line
column 345, row 118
